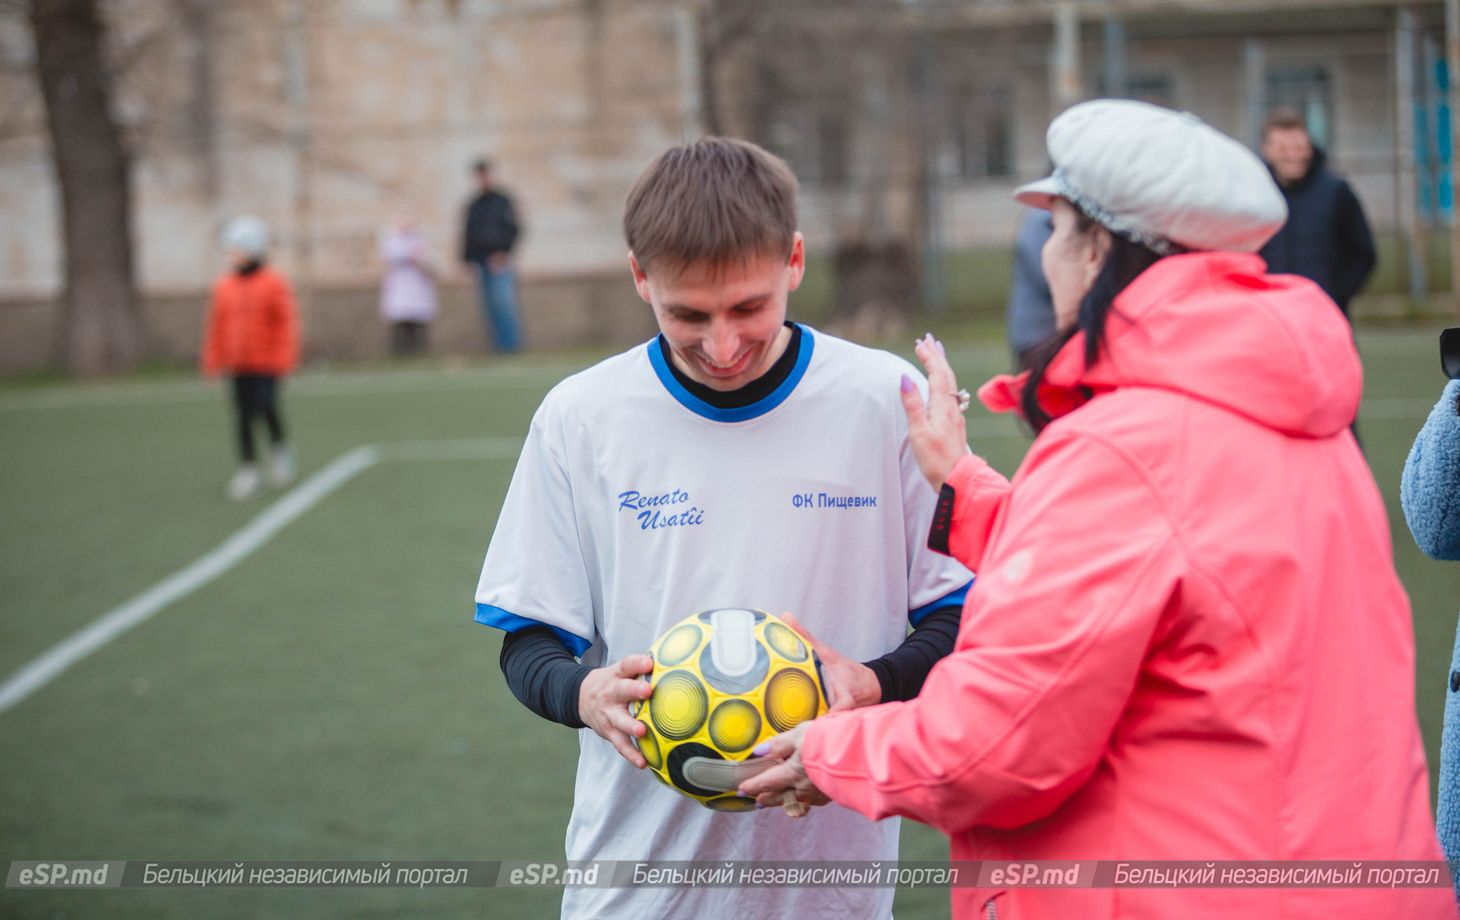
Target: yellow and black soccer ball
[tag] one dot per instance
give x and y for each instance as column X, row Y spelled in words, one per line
column 724, row 681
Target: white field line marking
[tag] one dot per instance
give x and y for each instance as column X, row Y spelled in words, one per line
column 196, row 391
column 242, row 544
column 42, row 670
column 448, row 449
column 408, row 382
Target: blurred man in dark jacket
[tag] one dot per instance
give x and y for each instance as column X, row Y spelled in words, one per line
column 1031, row 311
column 1326, row 237
column 489, row 234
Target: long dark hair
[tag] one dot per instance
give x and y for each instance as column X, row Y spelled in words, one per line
column 1124, row 262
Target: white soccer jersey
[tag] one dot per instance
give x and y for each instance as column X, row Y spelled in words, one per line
column 635, row 504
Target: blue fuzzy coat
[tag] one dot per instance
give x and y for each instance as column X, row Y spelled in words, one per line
column 1430, row 493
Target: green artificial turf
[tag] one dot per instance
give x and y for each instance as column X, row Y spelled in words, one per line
column 330, row 698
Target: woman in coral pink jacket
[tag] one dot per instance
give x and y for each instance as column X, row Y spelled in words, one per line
column 1187, row 640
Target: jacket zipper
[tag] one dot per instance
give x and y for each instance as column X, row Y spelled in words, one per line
column 991, row 910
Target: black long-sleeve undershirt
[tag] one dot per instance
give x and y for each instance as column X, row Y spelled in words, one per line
column 546, row 678
column 543, row 674
column 901, row 672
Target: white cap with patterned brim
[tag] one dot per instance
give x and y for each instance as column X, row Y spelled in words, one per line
column 1164, row 179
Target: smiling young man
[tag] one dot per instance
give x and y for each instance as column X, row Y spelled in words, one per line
column 736, row 460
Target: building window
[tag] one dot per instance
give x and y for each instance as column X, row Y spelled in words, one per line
column 784, row 138
column 1307, row 91
column 1155, row 88
column 833, row 149
column 815, row 141
column 983, row 134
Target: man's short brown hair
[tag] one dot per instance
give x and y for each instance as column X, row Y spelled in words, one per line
column 716, row 201
column 1283, row 120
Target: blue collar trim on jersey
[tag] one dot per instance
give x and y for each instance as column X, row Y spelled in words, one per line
column 741, row 413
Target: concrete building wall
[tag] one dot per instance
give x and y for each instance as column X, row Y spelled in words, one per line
column 1206, row 77
column 380, row 112
column 330, row 117
column 570, row 100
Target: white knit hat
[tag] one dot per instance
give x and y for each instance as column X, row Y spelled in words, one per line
column 246, row 234
column 1158, row 178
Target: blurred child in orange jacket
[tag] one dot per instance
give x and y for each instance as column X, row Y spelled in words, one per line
column 253, row 336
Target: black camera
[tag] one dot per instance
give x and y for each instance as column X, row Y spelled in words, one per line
column 1450, row 352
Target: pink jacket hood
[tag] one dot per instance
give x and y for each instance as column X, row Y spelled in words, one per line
column 1172, row 329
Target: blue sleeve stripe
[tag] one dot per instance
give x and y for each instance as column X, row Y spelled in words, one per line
column 951, row 599
column 488, row 615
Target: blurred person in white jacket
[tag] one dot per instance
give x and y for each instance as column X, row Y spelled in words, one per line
column 407, row 286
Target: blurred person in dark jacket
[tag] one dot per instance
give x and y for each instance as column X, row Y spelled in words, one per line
column 488, row 236
column 1031, row 311
column 1326, row 238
